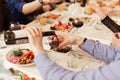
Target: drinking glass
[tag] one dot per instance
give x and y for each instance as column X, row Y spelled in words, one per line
column 2, row 43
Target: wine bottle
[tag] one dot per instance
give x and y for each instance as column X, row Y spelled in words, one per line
column 20, row 37
column 83, row 3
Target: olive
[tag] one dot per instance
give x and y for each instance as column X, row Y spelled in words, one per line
column 52, row 28
column 77, row 24
column 71, row 19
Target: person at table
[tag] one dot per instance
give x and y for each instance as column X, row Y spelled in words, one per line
column 51, row 71
column 21, row 9
column 105, row 19
column 5, row 16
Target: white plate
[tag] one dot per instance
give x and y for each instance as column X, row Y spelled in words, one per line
column 88, row 21
column 11, row 52
column 53, row 20
column 98, row 25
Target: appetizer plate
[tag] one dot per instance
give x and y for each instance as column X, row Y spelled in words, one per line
column 51, row 17
column 51, row 20
column 63, row 7
column 10, row 53
column 87, row 20
column 98, row 25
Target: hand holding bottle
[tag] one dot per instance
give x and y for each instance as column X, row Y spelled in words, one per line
column 35, row 38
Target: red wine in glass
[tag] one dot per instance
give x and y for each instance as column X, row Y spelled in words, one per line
column 77, row 24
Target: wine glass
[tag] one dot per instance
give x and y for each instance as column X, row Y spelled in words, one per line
column 77, row 25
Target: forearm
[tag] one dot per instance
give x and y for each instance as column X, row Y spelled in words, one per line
column 51, row 71
column 111, row 24
column 101, row 51
column 31, row 7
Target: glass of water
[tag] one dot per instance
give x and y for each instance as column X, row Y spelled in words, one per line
column 2, row 43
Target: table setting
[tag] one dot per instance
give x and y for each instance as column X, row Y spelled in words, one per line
column 75, row 59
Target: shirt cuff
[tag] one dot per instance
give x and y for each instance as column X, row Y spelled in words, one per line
column 88, row 45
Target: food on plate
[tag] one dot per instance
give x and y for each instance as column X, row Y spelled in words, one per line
column 43, row 20
column 111, row 5
column 49, row 18
column 26, row 77
column 114, row 4
column 63, row 7
column 62, row 50
column 98, row 25
column 76, row 22
column 62, row 26
column 88, row 11
column 71, row 19
column 21, row 56
column 52, row 16
column 86, row 20
column 18, row 53
column 54, row 46
column 18, row 75
column 81, row 20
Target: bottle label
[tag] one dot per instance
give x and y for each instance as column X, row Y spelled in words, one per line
column 22, row 41
column 20, row 34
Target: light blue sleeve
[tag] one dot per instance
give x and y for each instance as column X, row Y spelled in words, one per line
column 51, row 71
column 102, row 51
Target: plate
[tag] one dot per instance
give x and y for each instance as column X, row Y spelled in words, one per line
column 51, row 20
column 14, row 62
column 51, row 17
column 63, row 7
column 116, row 19
column 86, row 20
column 98, row 25
column 75, row 60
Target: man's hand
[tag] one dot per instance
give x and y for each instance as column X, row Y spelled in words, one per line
column 35, row 38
